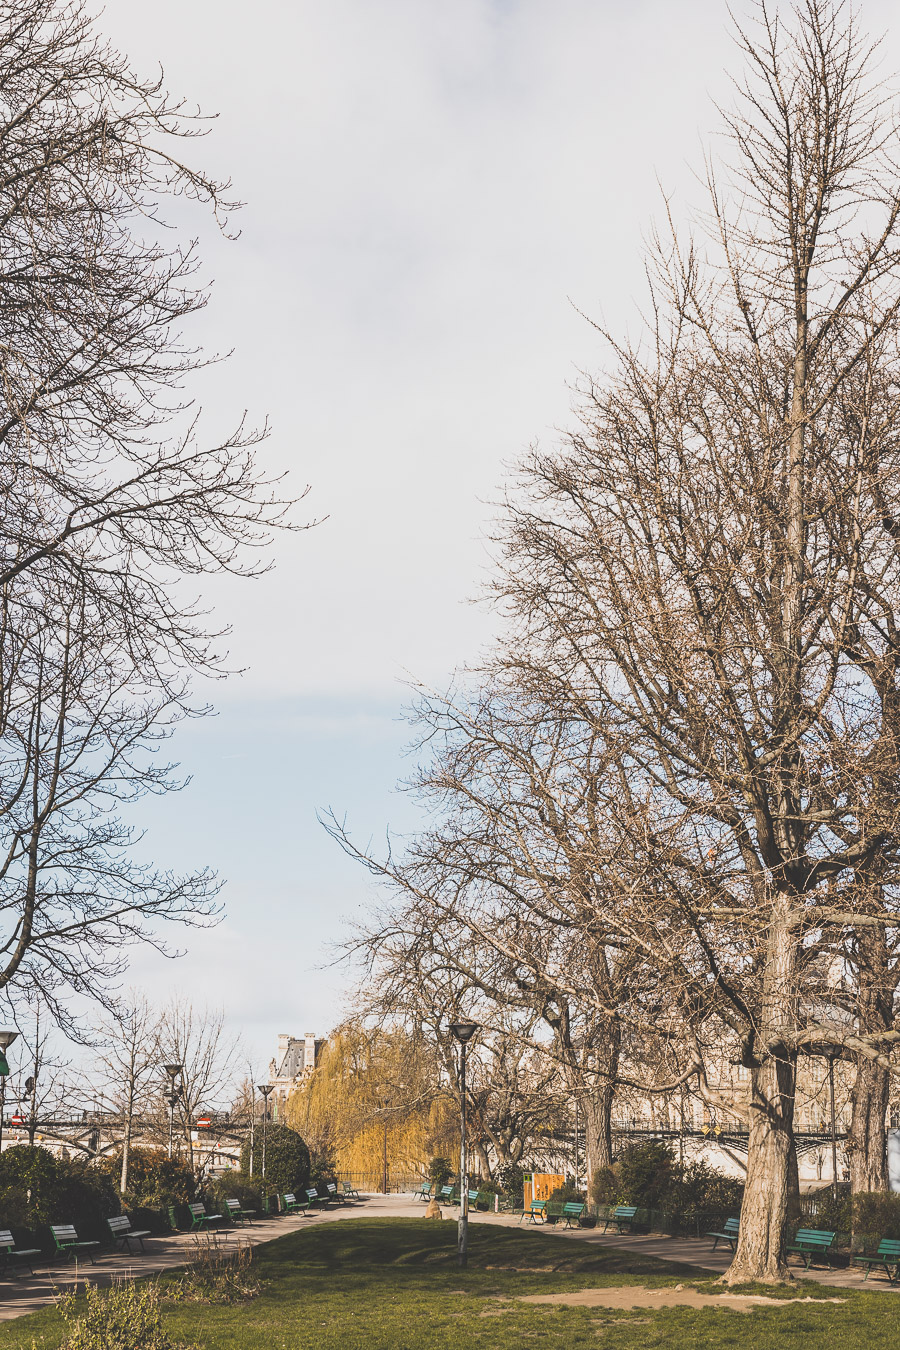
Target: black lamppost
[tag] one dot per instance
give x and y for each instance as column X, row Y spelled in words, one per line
column 831, row 1053
column 463, row 1031
column 6, row 1040
column 265, row 1089
column 173, row 1070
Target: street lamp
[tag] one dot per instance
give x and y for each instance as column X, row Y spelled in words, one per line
column 6, row 1039
column 463, row 1032
column 831, row 1053
column 173, row 1070
column 265, row 1089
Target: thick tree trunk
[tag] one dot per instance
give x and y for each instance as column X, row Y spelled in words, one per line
column 771, row 1155
column 867, row 1137
column 598, row 1128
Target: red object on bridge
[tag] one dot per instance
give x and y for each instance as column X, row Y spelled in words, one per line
column 203, row 1122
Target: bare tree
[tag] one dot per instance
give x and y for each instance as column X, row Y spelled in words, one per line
column 126, row 1063
column 708, row 571
column 109, row 500
column 211, row 1060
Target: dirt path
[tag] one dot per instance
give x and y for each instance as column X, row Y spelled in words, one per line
column 636, row 1296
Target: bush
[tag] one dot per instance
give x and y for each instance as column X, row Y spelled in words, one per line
column 876, row 1215
column 287, row 1160
column 154, row 1179
column 439, row 1172
column 235, row 1186
column 832, row 1212
column 645, row 1172
column 698, row 1194
column 605, row 1186
column 869, row 1215
column 124, row 1317
column 512, row 1179
column 216, row 1276
column 62, row 1190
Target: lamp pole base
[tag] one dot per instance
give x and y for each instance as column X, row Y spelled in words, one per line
column 462, row 1241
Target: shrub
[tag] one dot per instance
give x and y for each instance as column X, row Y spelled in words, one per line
column 235, row 1186
column 697, row 1193
column 876, row 1215
column 62, row 1190
column 439, row 1172
column 605, row 1186
column 154, row 1179
column 287, row 1159
column 214, row 1275
column 563, row 1195
column 512, row 1179
column 833, row 1212
column 123, row 1317
column 645, row 1172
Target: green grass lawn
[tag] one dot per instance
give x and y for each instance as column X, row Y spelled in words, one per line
column 393, row 1284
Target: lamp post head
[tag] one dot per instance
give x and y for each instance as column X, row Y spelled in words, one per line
column 463, row 1031
column 7, row 1037
column 264, row 1088
column 173, row 1070
column 825, row 1050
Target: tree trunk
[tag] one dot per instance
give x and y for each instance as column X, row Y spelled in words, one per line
column 598, row 1128
column 126, row 1149
column 867, row 1138
column 869, row 1099
column 771, row 1156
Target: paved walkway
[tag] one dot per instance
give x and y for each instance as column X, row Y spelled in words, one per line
column 23, row 1294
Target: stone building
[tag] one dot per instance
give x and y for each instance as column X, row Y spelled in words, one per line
column 294, row 1060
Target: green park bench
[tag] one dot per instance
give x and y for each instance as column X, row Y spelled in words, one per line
column 10, row 1253
column 887, row 1257
column 314, row 1197
column 199, row 1217
column 123, row 1234
column 728, row 1234
column 448, row 1195
column 332, row 1193
column 622, row 1216
column 292, row 1205
column 68, row 1243
column 536, row 1210
column 349, row 1191
column 572, row 1212
column 810, row 1242
column 237, row 1214
column 424, row 1191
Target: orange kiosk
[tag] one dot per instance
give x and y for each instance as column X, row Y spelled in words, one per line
column 541, row 1185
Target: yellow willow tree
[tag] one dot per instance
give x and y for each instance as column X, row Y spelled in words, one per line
column 707, row 570
column 375, row 1093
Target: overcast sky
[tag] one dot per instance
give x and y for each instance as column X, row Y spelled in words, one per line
column 434, row 191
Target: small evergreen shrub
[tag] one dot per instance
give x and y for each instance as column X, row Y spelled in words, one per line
column 646, row 1173
column 512, row 1179
column 439, row 1172
column 605, row 1186
column 287, row 1160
